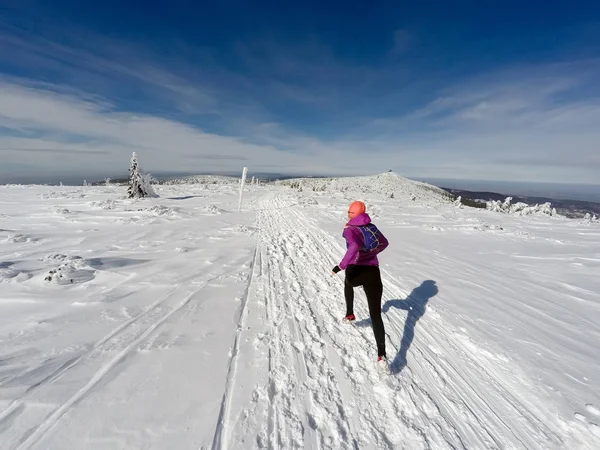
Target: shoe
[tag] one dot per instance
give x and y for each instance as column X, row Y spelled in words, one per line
column 383, row 367
column 349, row 318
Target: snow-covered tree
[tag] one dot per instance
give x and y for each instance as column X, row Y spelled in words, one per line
column 520, row 208
column 139, row 183
column 107, row 181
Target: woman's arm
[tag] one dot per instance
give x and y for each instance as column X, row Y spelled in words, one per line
column 353, row 238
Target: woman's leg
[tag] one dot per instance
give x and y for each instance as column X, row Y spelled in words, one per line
column 374, row 291
column 351, row 272
column 349, row 295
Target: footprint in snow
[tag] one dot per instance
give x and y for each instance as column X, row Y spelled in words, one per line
column 594, row 428
column 592, row 409
column 435, row 350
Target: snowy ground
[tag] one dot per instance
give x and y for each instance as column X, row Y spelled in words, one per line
column 181, row 323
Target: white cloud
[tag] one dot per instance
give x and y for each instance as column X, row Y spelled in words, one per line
column 105, row 65
column 103, row 139
column 53, row 131
column 497, row 125
column 59, row 131
column 527, row 123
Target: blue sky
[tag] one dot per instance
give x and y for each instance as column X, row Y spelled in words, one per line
column 468, row 90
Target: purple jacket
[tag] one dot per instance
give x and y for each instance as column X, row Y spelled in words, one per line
column 356, row 253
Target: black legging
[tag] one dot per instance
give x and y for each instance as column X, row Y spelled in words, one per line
column 369, row 278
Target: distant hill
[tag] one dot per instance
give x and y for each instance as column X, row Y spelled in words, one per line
column 388, row 183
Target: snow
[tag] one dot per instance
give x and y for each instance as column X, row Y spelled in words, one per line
column 520, row 208
column 180, row 322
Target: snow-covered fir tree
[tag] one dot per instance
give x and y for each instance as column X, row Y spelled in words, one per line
column 520, row 208
column 139, row 183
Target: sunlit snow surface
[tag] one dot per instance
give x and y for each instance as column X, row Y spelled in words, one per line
column 180, row 322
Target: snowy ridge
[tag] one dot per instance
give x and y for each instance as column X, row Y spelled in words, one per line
column 389, row 184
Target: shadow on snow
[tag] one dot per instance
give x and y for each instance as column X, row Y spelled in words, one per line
column 415, row 304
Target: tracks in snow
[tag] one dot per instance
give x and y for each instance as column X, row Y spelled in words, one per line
column 122, row 340
column 311, row 382
column 321, row 389
column 305, row 397
column 223, row 422
column 457, row 395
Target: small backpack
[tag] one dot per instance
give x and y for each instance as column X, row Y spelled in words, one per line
column 371, row 237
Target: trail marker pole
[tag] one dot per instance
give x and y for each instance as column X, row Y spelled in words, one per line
column 242, row 182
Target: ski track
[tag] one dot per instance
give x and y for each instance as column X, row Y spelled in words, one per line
column 296, row 357
column 64, row 368
column 323, row 387
column 223, row 420
column 128, row 336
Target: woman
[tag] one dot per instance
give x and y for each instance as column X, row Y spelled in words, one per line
column 364, row 242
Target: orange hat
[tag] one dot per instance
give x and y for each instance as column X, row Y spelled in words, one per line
column 356, row 208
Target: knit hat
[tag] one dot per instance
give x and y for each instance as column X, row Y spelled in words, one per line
column 356, row 208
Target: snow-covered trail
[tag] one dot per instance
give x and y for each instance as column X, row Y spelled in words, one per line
column 310, row 381
column 136, row 356
column 189, row 324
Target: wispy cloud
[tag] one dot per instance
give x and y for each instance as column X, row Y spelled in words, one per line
column 103, row 137
column 525, row 122
column 89, row 101
column 537, row 95
column 104, row 65
column 70, row 134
